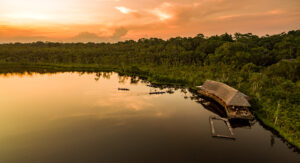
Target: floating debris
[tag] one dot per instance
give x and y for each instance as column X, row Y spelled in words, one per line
column 123, row 89
column 155, row 93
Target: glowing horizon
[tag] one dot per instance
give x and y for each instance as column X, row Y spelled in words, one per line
column 114, row 20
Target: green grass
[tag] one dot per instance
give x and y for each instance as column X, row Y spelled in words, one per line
column 292, row 138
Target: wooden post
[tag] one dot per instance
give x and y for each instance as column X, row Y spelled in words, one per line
column 277, row 111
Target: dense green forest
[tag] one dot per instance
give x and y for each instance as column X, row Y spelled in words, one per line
column 266, row 68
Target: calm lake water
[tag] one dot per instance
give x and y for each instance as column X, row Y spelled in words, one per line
column 83, row 117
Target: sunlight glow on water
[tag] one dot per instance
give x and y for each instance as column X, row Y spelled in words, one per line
column 79, row 117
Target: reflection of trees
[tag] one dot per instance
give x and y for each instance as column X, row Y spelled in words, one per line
column 104, row 75
column 31, row 70
column 98, row 75
column 134, row 80
column 123, row 79
column 21, row 71
column 272, row 140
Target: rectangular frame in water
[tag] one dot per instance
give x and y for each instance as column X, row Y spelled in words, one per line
column 213, row 132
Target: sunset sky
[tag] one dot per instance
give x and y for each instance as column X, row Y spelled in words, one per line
column 114, row 20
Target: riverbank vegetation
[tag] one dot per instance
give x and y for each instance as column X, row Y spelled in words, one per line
column 266, row 68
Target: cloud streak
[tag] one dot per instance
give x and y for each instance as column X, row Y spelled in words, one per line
column 125, row 10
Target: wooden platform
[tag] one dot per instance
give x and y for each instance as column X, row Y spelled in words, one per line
column 231, row 111
column 213, row 132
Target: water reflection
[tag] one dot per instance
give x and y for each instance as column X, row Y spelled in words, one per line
column 83, row 117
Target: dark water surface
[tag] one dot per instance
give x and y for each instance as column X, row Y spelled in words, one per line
column 74, row 117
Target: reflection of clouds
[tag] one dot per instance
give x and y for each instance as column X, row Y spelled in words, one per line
column 127, row 102
column 121, row 105
column 121, row 108
column 104, row 101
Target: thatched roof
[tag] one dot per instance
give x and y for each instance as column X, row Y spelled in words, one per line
column 229, row 95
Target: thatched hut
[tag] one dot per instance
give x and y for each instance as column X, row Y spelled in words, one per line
column 235, row 103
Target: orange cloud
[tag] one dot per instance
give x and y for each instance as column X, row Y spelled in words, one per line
column 152, row 18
